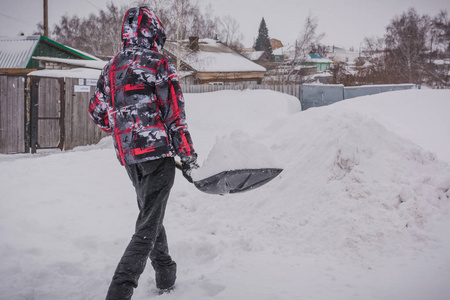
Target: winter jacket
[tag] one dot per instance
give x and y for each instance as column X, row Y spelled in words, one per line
column 138, row 99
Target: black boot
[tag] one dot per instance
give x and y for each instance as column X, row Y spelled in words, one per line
column 165, row 275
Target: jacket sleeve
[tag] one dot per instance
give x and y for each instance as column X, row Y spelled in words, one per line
column 98, row 106
column 171, row 105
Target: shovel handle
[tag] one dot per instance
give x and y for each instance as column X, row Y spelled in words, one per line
column 178, row 165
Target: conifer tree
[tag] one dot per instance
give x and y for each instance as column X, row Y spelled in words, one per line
column 262, row 41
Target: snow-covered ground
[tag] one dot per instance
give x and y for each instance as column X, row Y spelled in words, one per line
column 361, row 210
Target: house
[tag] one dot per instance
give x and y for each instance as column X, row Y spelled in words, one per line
column 208, row 61
column 442, row 71
column 17, row 54
column 275, row 44
column 322, row 64
column 342, row 55
column 261, row 58
column 283, row 53
column 314, row 62
column 46, row 88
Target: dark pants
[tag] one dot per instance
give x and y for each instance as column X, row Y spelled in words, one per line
column 152, row 181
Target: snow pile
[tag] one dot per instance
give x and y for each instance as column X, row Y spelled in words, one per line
column 365, row 175
column 236, row 151
column 361, row 207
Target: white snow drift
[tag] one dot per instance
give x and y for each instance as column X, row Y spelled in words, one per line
column 359, row 212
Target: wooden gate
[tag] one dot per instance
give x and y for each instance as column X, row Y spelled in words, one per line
column 47, row 109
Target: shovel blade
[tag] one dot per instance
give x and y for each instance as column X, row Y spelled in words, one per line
column 236, row 181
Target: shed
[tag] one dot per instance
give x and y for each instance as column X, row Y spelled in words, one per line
column 17, row 53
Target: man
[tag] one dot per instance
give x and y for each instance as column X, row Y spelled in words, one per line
column 139, row 102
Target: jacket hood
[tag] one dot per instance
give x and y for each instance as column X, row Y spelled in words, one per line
column 142, row 28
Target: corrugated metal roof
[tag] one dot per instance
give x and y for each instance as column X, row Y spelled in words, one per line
column 16, row 52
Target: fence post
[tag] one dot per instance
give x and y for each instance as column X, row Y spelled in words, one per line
column 34, row 112
column 27, row 115
column 62, row 113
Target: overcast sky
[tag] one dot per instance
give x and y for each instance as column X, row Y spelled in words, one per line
column 345, row 22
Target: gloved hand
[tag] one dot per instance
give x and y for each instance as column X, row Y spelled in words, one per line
column 188, row 164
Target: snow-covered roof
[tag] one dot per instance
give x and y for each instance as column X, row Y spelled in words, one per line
column 72, row 73
column 213, row 56
column 182, row 74
column 254, row 55
column 441, row 62
column 283, row 50
column 343, row 55
column 342, row 50
column 93, row 64
column 317, row 59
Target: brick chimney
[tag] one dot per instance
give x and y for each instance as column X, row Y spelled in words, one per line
column 193, row 43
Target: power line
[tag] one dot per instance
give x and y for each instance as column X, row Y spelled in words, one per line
column 16, row 19
column 92, row 4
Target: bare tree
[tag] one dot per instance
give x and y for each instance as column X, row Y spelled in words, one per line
column 413, row 50
column 180, row 14
column 209, row 28
column 308, row 37
column 229, row 32
column 372, row 67
column 68, row 30
column 406, row 44
column 321, row 49
column 441, row 33
column 40, row 29
column 98, row 34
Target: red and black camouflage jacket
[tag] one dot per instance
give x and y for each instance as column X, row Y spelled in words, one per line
column 138, row 99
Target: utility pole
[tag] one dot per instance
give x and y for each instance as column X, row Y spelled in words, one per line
column 46, row 18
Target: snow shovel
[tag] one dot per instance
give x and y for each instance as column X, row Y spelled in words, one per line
column 235, row 181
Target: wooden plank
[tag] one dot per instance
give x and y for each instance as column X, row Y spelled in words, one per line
column 72, row 115
column 80, row 129
column 292, row 89
column 48, row 133
column 68, row 114
column 12, row 111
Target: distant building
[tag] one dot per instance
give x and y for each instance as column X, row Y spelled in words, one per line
column 342, row 55
column 257, row 56
column 275, row 44
column 207, row 61
column 283, row 53
column 17, row 54
column 322, row 64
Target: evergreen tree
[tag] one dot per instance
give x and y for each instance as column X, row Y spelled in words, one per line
column 262, row 41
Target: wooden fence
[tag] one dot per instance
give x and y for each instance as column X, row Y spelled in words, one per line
column 80, row 130
column 292, row 89
column 54, row 113
column 51, row 115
